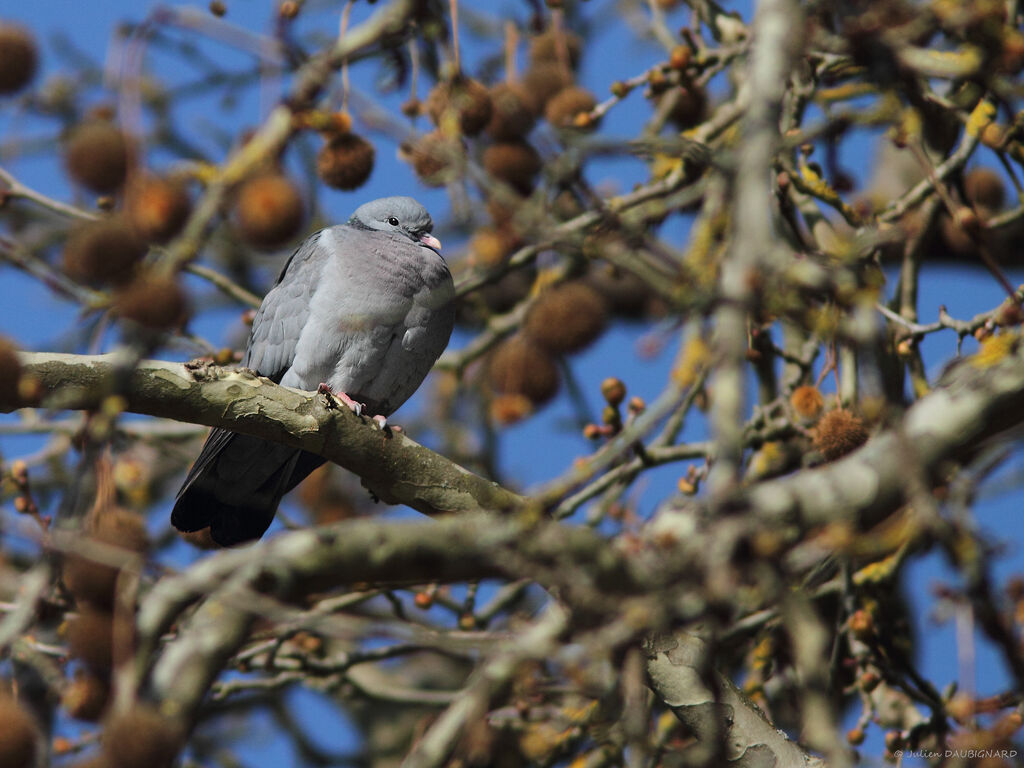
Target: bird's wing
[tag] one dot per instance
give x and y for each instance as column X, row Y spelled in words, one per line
column 285, row 311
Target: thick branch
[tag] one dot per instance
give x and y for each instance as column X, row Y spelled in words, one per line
column 395, row 468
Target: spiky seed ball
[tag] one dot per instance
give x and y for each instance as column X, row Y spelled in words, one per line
column 519, row 366
column 19, row 57
column 90, row 582
column 625, row 294
column 97, row 155
column 345, row 161
column 437, row 159
column 157, row 302
column 501, row 296
column 513, row 112
column 142, row 738
column 121, row 527
column 514, row 162
column 19, row 735
column 157, row 207
column 510, row 409
column 543, row 80
column 545, row 47
column 838, row 433
column 467, row 99
column 489, row 246
column 566, row 318
column 103, row 251
column 565, row 107
column 10, row 373
column 807, row 402
column 268, row 210
column 984, row 188
column 86, row 697
column 689, row 106
column 90, row 637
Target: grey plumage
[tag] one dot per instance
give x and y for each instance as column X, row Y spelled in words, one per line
column 366, row 307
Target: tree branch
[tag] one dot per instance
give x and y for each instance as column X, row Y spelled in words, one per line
column 395, row 468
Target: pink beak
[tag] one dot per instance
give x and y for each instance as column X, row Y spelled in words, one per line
column 430, row 241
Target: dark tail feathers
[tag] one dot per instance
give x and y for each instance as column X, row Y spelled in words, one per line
column 236, row 484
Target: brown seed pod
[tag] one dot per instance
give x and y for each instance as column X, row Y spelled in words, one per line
column 153, row 301
column 514, row 162
column 90, row 637
column 566, row 318
column 345, row 161
column 519, row 366
column 157, row 207
column 10, row 373
column 86, row 697
column 465, row 98
column 501, row 296
column 984, row 188
column 268, row 210
column 543, row 80
column 838, row 433
column 545, row 47
column 566, row 107
column 104, row 251
column 513, row 112
column 489, row 246
column 689, row 106
column 19, row 734
column 437, row 159
column 97, row 155
column 142, row 738
column 807, row 402
column 510, row 409
column 19, row 57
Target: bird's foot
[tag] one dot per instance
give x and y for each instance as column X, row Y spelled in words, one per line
column 325, row 389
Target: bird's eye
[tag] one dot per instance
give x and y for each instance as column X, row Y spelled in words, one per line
column 392, row 221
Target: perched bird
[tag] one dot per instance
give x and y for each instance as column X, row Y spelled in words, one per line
column 364, row 308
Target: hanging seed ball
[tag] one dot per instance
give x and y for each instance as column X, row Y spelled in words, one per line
column 10, row 373
column 142, row 738
column 345, row 161
column 464, row 97
column 157, row 207
column 985, row 189
column 838, row 433
column 218, row 8
column 545, row 47
column 19, row 734
column 519, row 366
column 490, row 246
column 86, row 697
column 514, row 162
column 566, row 107
column 509, row 409
column 437, row 159
column 96, row 156
column 689, row 106
column 807, row 402
column 513, row 112
column 543, row 81
column 566, row 318
column 157, row 302
column 90, row 637
column 19, row 57
column 104, row 251
column 268, row 210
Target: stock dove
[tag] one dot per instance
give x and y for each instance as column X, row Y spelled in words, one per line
column 365, row 308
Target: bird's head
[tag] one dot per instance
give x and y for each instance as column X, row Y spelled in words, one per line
column 399, row 215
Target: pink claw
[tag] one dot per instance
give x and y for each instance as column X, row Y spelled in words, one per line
column 325, row 389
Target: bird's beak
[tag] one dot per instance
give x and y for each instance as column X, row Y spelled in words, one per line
column 430, row 241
